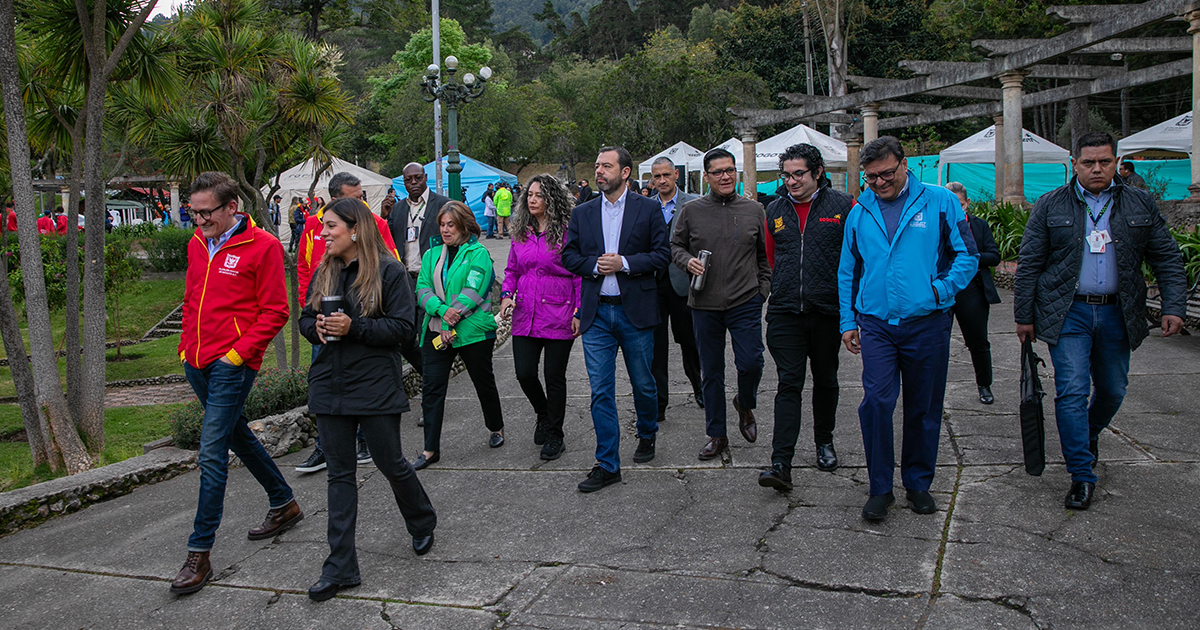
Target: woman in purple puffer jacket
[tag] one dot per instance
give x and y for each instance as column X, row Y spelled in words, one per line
column 542, row 299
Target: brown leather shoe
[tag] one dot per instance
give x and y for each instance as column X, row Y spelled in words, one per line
column 746, row 422
column 277, row 521
column 196, row 572
column 713, row 449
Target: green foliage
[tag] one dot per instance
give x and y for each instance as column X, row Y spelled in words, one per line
column 53, row 266
column 121, row 269
column 274, row 392
column 1155, row 185
column 1008, row 225
column 167, row 249
column 1189, row 246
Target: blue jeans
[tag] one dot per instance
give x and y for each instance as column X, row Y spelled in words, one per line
column 917, row 354
column 609, row 330
column 491, row 226
column 222, row 389
column 744, row 323
column 1092, row 347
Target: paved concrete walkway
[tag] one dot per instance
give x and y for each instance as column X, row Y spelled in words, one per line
column 680, row 543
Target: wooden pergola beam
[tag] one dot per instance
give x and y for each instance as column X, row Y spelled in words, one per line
column 1037, row 71
column 1117, row 23
column 958, row 91
column 995, row 47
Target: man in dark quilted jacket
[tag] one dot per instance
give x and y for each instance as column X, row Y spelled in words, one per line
column 1079, row 288
column 804, row 246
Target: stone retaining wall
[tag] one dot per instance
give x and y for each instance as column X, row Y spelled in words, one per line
column 31, row 505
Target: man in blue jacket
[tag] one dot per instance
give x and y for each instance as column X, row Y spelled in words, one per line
column 906, row 252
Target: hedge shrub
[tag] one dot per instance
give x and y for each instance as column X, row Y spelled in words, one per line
column 167, row 248
column 274, row 392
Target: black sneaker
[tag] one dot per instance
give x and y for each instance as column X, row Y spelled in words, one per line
column 776, row 477
column 645, row 451
column 554, row 448
column 542, row 431
column 598, row 479
column 315, row 462
column 921, row 501
column 364, row 455
column 877, row 506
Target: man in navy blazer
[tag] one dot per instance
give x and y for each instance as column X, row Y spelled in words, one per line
column 618, row 243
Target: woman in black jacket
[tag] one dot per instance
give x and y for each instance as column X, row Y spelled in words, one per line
column 971, row 305
column 355, row 381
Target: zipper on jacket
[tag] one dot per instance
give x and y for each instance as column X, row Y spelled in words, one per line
column 204, row 291
column 236, row 327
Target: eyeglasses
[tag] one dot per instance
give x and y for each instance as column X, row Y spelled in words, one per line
column 206, row 214
column 797, row 175
column 886, row 176
column 731, row 171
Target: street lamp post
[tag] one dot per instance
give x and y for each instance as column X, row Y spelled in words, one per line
column 453, row 94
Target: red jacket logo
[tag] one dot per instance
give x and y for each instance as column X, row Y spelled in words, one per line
column 829, row 220
column 231, row 261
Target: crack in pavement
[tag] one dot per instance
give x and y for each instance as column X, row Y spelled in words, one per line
column 936, row 587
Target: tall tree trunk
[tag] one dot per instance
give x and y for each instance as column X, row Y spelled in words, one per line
column 101, row 64
column 47, row 385
column 71, row 340
column 37, row 434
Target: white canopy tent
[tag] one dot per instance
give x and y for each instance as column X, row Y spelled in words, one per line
column 1172, row 138
column 679, row 153
column 767, row 152
column 295, row 182
column 981, row 149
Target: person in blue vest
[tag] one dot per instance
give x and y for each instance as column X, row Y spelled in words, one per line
column 906, row 252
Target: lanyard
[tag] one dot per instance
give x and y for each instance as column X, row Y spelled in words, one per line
column 1088, row 208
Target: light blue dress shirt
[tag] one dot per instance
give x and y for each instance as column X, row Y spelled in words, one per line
column 668, row 208
column 215, row 244
column 611, row 217
column 1098, row 272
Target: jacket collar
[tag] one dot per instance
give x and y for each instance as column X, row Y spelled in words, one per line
column 725, row 201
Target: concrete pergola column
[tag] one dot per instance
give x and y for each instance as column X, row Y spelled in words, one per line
column 65, row 192
column 870, row 116
column 853, row 144
column 1014, row 152
column 999, row 160
column 1193, row 18
column 174, row 203
column 749, row 164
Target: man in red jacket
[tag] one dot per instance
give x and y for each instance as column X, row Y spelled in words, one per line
column 45, row 224
column 10, row 218
column 234, row 303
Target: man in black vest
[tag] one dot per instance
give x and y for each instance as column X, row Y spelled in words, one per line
column 804, row 246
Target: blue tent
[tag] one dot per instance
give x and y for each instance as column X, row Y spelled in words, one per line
column 474, row 177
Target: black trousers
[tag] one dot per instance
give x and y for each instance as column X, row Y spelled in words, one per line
column 383, row 438
column 971, row 310
column 673, row 311
column 478, row 359
column 744, row 324
column 550, row 404
column 797, row 340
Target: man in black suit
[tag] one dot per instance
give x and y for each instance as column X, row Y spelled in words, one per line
column 413, row 226
column 618, row 244
column 673, row 293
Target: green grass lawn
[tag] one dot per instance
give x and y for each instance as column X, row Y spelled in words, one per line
column 126, row 430
column 153, row 358
column 141, row 308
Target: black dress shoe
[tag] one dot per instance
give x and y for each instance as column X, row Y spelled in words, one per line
column 598, row 479
column 423, row 462
column 324, row 590
column 985, row 395
column 421, row 421
column 1094, row 448
column 1080, row 495
column 877, row 505
column 777, row 478
column 921, row 501
column 644, row 452
column 422, row 544
column 826, row 457
column 497, row 440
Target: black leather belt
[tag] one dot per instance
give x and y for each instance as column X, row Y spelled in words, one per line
column 1096, row 299
column 610, row 299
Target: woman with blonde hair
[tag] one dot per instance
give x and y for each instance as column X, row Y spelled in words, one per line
column 541, row 298
column 454, row 294
column 355, row 381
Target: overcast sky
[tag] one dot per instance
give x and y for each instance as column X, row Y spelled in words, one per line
column 166, row 7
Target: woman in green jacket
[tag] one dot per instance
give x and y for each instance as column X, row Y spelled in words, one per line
column 454, row 294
